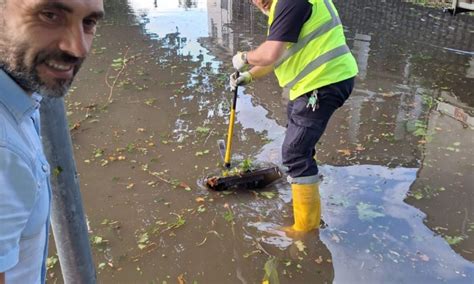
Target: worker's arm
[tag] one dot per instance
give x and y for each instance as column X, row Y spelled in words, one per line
column 247, row 77
column 267, row 53
column 260, row 71
column 2, row 278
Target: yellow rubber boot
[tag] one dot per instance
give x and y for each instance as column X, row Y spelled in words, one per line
column 306, row 207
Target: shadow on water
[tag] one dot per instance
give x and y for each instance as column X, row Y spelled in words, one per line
column 152, row 100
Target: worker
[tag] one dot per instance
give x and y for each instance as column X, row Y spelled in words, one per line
column 307, row 50
column 42, row 46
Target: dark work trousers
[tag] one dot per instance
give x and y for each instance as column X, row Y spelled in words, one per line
column 305, row 127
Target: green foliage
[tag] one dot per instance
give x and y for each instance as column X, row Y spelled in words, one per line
column 118, row 63
column 202, row 153
column 178, row 223
column 130, row 147
column 143, row 240
column 427, row 192
column 453, row 240
column 271, row 271
column 244, row 166
column 471, row 227
column 229, row 216
column 267, row 194
column 428, row 101
column 57, row 171
column 51, row 262
column 98, row 153
column 97, row 240
column 203, row 130
column 150, row 101
column 419, row 128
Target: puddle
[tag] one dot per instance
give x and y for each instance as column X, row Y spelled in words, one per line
column 374, row 236
column 143, row 139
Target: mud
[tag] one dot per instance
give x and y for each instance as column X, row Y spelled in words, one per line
column 152, row 100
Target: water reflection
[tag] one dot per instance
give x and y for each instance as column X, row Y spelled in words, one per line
column 373, row 235
column 182, row 21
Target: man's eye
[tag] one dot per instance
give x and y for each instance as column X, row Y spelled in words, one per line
column 89, row 24
column 49, row 16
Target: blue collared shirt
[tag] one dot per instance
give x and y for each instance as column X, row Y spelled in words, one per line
column 25, row 191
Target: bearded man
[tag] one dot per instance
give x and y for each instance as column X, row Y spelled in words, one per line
column 42, row 46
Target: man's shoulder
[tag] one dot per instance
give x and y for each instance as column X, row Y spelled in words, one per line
column 293, row 9
column 293, row 3
column 10, row 134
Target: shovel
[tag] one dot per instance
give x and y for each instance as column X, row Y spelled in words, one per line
column 259, row 177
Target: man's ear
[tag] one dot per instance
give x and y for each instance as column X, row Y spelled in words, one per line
column 263, row 5
column 267, row 4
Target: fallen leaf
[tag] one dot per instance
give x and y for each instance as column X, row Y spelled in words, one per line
column 76, row 126
column 344, row 152
column 101, row 265
column 271, row 271
column 300, row 245
column 388, row 95
column 424, row 257
column 181, row 279
column 200, row 199
column 201, row 208
column 267, row 194
column 319, row 260
column 359, row 147
column 185, row 186
column 335, row 238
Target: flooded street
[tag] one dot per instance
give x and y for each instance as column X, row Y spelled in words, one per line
column 396, row 160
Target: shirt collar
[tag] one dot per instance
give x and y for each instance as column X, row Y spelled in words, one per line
column 15, row 99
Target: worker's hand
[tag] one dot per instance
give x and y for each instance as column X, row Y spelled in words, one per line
column 240, row 61
column 243, row 79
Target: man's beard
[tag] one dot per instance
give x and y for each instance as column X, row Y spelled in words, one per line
column 23, row 69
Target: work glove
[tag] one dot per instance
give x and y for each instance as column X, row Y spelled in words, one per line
column 243, row 79
column 240, row 61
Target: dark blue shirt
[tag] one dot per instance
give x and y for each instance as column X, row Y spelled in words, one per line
column 290, row 16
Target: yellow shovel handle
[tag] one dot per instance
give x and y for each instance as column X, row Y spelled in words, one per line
column 229, row 139
column 231, row 127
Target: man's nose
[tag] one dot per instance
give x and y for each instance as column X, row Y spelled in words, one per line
column 75, row 42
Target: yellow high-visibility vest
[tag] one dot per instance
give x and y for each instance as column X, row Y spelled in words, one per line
column 320, row 57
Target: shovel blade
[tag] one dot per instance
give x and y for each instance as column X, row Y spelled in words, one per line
column 252, row 180
column 221, row 145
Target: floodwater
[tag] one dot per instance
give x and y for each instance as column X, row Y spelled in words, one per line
column 397, row 159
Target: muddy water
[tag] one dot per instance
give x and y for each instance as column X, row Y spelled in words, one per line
column 397, row 192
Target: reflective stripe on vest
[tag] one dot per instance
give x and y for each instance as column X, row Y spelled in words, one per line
column 303, row 42
column 313, row 65
column 334, row 22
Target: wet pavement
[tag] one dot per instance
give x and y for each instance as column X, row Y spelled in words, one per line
column 397, row 159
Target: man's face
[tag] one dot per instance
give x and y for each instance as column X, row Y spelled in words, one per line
column 44, row 42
